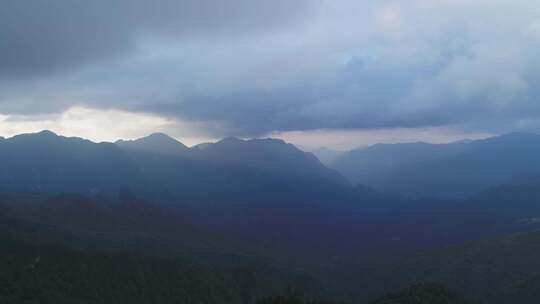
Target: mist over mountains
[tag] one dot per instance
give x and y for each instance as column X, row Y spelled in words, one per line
column 411, row 169
column 266, row 208
column 181, row 165
column 452, row 170
column 47, row 162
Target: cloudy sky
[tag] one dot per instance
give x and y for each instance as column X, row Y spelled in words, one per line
column 315, row 72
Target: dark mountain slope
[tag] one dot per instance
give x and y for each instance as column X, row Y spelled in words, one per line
column 527, row 292
column 517, row 202
column 427, row 293
column 42, row 273
column 483, row 271
column 140, row 229
column 253, row 204
column 127, row 224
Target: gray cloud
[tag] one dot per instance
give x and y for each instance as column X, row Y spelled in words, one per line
column 253, row 67
column 42, row 36
column 360, row 98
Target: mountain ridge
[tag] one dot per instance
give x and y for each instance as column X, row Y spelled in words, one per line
column 453, row 170
column 156, row 142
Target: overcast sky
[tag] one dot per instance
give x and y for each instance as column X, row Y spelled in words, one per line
column 318, row 73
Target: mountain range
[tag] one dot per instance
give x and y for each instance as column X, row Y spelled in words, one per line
column 47, row 162
column 453, row 170
column 50, row 163
column 264, row 204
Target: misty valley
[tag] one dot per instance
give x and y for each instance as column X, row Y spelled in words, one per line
column 261, row 221
column 269, row 152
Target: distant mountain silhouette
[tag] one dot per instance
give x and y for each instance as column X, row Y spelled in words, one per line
column 451, row 170
column 46, row 162
column 157, row 143
column 365, row 165
column 270, row 155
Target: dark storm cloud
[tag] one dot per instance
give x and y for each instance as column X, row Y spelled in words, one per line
column 242, row 67
column 42, row 36
column 360, row 98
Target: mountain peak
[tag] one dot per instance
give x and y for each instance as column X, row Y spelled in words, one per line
column 42, row 135
column 159, row 135
column 154, row 138
column 47, row 133
column 269, row 140
column 159, row 143
column 266, row 154
column 230, row 139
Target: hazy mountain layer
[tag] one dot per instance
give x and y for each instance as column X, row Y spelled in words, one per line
column 451, row 170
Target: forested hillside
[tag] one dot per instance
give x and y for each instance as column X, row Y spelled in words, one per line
column 45, row 273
